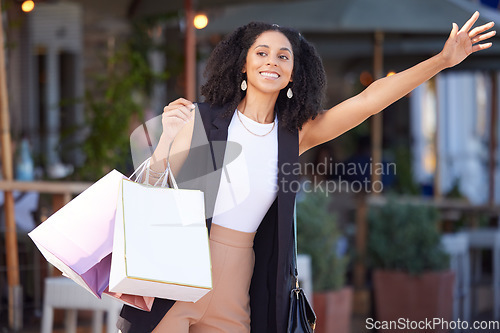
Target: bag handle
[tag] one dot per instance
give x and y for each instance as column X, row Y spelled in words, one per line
column 309, row 312
column 146, row 167
column 295, row 269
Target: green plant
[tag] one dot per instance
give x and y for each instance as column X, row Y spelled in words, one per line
column 318, row 235
column 109, row 108
column 404, row 237
column 404, row 180
column 116, row 96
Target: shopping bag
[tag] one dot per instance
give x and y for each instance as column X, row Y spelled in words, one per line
column 160, row 245
column 78, row 238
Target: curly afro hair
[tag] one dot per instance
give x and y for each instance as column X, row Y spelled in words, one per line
column 224, row 75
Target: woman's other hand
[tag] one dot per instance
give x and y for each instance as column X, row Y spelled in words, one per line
column 463, row 42
column 175, row 116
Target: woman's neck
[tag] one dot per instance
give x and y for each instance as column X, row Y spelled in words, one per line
column 258, row 108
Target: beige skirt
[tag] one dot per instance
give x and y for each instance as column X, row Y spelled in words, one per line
column 226, row 308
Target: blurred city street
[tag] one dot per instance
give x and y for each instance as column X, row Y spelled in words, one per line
column 397, row 218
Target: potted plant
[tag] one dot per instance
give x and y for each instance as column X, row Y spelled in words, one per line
column 319, row 236
column 411, row 278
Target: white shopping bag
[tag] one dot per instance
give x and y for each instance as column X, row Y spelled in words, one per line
column 160, row 246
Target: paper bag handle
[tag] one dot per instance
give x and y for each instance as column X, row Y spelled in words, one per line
column 146, row 166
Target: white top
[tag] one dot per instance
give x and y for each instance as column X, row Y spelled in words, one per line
column 248, row 185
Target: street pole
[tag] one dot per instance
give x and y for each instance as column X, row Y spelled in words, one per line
column 190, row 51
column 15, row 289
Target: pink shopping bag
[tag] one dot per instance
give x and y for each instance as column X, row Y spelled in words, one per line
column 78, row 238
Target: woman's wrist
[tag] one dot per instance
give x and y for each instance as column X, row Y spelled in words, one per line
column 163, row 148
column 165, row 139
column 442, row 61
column 161, row 153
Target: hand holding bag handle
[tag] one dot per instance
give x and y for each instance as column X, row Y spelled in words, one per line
column 301, row 318
column 145, row 168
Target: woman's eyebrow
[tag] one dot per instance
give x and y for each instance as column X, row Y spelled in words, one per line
column 267, row 46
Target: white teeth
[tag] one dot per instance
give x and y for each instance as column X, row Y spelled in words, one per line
column 273, row 75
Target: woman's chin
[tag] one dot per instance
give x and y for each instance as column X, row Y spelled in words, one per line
column 267, row 90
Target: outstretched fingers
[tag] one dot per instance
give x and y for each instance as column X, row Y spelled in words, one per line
column 477, row 34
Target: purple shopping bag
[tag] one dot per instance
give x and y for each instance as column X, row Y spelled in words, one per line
column 78, row 238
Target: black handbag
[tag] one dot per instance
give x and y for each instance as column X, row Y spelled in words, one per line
column 301, row 317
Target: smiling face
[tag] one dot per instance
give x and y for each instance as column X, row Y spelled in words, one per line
column 269, row 63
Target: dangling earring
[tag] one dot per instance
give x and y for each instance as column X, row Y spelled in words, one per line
column 289, row 93
column 244, row 85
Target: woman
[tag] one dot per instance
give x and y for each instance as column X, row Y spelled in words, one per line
column 264, row 91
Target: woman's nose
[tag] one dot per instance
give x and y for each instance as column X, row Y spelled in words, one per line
column 271, row 61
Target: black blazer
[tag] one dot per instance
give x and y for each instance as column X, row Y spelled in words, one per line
column 273, row 243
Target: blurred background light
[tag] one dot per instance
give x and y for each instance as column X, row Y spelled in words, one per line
column 200, row 21
column 27, row 6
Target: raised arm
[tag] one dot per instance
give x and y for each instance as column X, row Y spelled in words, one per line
column 383, row 92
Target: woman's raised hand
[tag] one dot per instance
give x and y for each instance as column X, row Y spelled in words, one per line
column 175, row 116
column 463, row 42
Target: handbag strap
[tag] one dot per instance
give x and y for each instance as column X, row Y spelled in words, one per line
column 295, row 269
